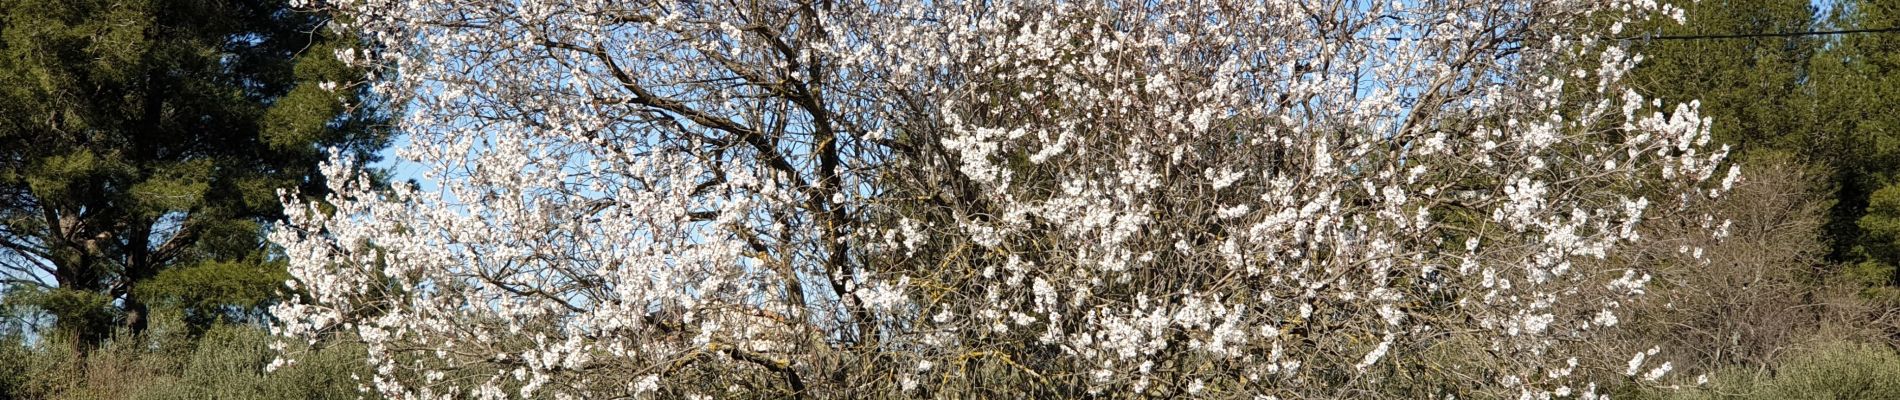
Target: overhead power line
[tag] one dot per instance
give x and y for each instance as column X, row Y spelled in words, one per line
column 1761, row 35
column 1730, row 36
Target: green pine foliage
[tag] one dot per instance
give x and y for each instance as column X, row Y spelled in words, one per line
column 1827, row 102
column 144, row 148
column 1827, row 99
column 1857, row 87
column 1749, row 88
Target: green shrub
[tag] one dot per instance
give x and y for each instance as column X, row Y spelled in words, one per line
column 226, row 362
column 229, row 363
column 1831, row 370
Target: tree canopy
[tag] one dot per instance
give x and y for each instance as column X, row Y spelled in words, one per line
column 145, row 145
column 1010, row 199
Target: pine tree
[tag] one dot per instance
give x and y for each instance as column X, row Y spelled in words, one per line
column 1825, row 99
column 1750, row 87
column 1857, row 86
column 144, row 145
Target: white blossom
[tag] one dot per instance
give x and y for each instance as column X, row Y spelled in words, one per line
column 652, row 197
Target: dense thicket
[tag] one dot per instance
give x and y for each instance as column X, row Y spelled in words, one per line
column 1004, row 199
column 1296, row 199
column 992, row 199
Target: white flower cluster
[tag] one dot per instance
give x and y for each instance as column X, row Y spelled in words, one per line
column 635, row 199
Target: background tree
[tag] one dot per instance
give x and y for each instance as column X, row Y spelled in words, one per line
column 1751, row 87
column 1824, row 99
column 144, row 145
column 1856, row 81
column 1812, row 232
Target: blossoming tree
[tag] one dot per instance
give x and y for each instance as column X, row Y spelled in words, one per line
column 1288, row 198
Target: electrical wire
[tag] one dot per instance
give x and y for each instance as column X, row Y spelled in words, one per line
column 1761, row 35
column 1729, row 36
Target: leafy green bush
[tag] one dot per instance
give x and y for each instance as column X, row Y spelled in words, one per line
column 1830, row 370
column 227, row 362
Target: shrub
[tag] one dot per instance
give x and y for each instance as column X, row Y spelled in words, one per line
column 226, row 362
column 1826, row 370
